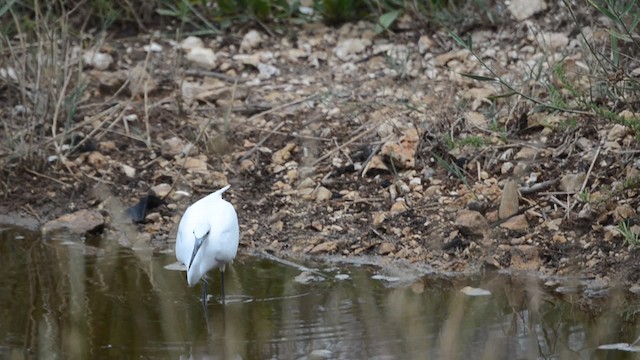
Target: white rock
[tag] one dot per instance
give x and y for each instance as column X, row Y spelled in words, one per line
column 153, row 47
column 191, row 43
column 348, row 48
column 617, row 132
column 128, row 170
column 523, row 9
column 131, row 117
column 97, row 60
column 424, row 43
column 8, row 73
column 250, row 41
column 203, row 57
column 267, row 71
column 554, row 41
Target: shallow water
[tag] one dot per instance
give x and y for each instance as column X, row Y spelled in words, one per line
column 73, row 298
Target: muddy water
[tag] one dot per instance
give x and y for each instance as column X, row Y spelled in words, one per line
column 70, row 298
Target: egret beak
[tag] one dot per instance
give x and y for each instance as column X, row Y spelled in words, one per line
column 196, row 247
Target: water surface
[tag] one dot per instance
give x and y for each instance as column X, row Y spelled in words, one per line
column 90, row 298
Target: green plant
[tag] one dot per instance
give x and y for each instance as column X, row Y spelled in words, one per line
column 584, row 196
column 629, row 237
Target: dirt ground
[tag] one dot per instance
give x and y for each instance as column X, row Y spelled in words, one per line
column 341, row 143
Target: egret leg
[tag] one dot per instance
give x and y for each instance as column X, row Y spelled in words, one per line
column 204, row 291
column 222, row 285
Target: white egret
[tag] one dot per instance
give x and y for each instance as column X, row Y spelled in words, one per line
column 207, row 238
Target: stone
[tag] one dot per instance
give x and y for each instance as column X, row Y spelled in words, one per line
column 202, row 57
column 347, row 49
column 472, row 223
column 196, row 164
column 526, row 153
column 328, row 246
column 476, row 118
column 572, row 183
column 525, row 257
column 283, row 155
column 402, row 153
column 386, row 248
column 516, row 223
column 98, row 60
column 97, row 159
column 191, row 42
column 79, row 222
column 323, row 194
column 129, row 171
column 398, row 207
column 375, row 166
column 510, row 200
column 424, row 43
column 140, row 81
column 161, row 190
column 617, row 132
column 250, row 41
column 379, row 218
column 524, row 9
column 623, row 212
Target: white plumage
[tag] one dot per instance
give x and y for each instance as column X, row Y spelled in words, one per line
column 208, row 237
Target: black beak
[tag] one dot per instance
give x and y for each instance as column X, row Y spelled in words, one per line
column 196, row 247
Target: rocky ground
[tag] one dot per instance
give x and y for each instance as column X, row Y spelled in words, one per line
column 341, row 143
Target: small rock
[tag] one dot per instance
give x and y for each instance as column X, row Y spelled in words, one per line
column 526, row 153
column 323, row 194
column 329, row 246
column 572, row 183
column 509, row 202
column 617, row 132
column 128, row 170
column 79, row 222
column 424, row 43
column 161, row 190
column 283, row 155
column 525, row 257
column 375, row 166
column 379, row 218
column 140, row 81
column 386, row 248
column 398, row 207
column 554, row 41
column 403, row 152
column 202, row 57
column 347, row 49
column 471, row 291
column 506, row 168
column 196, row 164
column 584, row 144
column 307, row 183
column 247, row 166
column 191, row 42
column 250, row 41
column 623, row 212
column 172, row 147
column 96, row 159
column 476, row 118
column 471, row 222
column 153, row 47
column 267, row 71
column 516, row 223
column 97, row 60
column 307, row 277
column 524, row 9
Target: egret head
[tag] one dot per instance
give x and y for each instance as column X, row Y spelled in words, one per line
column 200, row 232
